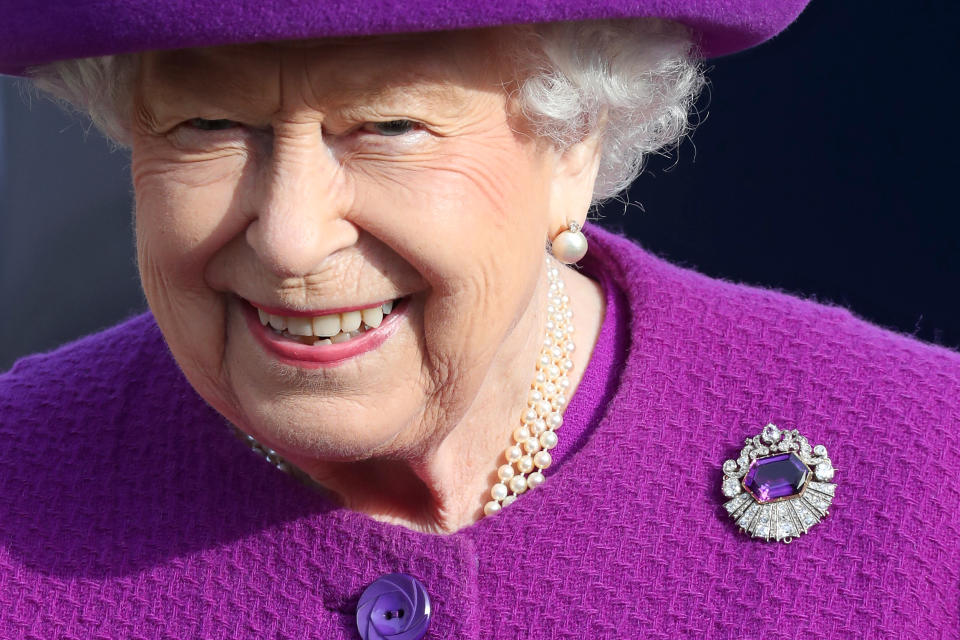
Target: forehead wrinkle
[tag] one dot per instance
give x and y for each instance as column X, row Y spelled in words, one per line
column 384, row 91
column 434, row 70
column 378, row 69
column 386, row 84
column 212, row 76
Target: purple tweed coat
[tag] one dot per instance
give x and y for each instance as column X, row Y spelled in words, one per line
column 128, row 510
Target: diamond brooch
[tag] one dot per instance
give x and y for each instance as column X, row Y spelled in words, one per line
column 780, row 486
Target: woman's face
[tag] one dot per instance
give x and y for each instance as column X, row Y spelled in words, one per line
column 308, row 179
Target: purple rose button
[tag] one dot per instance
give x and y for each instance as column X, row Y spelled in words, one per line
column 394, row 607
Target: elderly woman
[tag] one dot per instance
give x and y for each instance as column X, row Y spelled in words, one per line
column 352, row 224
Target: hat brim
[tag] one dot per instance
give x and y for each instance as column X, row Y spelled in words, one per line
column 36, row 33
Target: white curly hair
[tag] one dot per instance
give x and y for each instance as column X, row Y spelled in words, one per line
column 632, row 82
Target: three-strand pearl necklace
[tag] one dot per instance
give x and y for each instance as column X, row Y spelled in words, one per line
column 536, row 434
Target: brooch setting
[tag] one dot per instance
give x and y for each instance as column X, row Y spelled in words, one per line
column 780, row 486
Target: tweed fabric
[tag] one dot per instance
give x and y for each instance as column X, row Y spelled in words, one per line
column 128, row 512
column 33, row 32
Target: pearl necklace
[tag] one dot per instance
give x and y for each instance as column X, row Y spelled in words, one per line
column 536, row 436
column 546, row 400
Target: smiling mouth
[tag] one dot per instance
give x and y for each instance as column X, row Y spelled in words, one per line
column 333, row 328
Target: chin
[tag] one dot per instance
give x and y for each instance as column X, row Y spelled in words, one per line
column 334, row 409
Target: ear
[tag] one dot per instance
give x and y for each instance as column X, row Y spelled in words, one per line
column 574, row 175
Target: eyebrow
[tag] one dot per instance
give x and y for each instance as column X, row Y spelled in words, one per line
column 206, row 84
column 428, row 95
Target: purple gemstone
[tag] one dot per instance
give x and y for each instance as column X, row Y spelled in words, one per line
column 776, row 477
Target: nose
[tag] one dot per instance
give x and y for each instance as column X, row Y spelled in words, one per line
column 300, row 204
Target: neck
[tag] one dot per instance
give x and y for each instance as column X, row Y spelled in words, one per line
column 443, row 487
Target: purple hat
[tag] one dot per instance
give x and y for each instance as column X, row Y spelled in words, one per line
column 35, row 32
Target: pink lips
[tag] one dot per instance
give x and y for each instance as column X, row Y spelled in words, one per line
column 326, row 355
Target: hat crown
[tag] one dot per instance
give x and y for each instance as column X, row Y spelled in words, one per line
column 34, row 33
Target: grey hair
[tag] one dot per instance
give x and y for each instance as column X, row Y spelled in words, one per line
column 101, row 88
column 631, row 82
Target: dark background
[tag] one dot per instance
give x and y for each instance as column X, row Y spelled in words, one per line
column 824, row 166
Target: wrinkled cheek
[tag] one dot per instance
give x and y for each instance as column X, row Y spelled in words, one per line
column 192, row 319
column 171, row 254
column 182, row 230
column 465, row 322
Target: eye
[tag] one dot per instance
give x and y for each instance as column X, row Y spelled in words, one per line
column 203, row 124
column 390, row 127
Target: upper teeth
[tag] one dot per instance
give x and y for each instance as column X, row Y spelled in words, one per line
column 329, row 325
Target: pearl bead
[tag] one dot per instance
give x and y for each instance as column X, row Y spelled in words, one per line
column 546, row 398
column 534, row 480
column 525, row 464
column 548, row 439
column 491, row 508
column 542, row 459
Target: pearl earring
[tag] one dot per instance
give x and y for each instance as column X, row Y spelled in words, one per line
column 571, row 245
